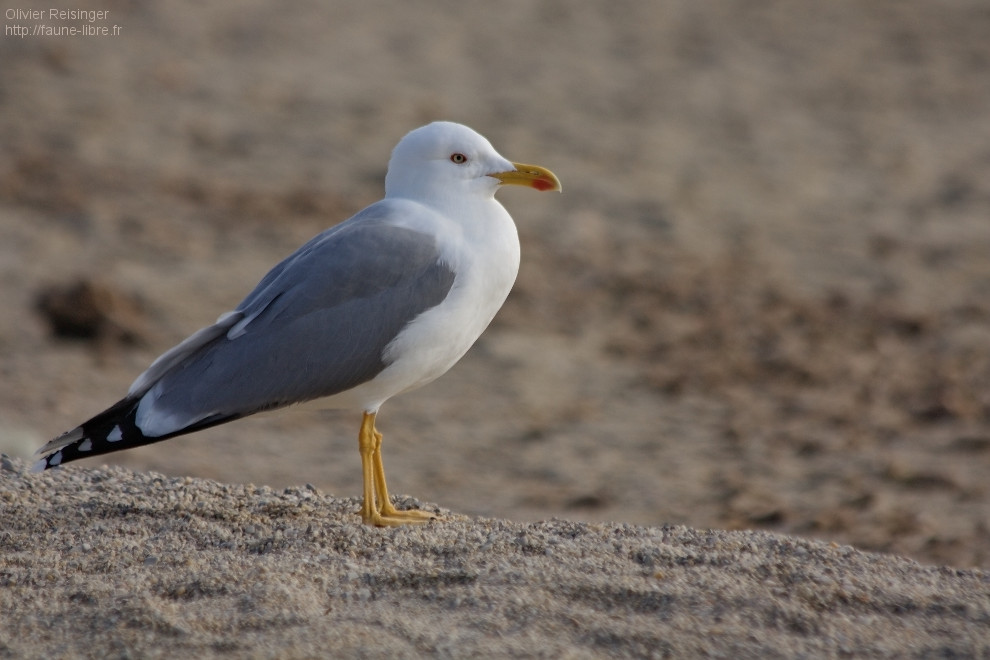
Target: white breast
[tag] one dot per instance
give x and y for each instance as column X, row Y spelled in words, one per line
column 484, row 254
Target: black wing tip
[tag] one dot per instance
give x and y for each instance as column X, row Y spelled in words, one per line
column 111, row 430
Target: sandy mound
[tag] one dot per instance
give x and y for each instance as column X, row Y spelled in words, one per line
column 108, row 562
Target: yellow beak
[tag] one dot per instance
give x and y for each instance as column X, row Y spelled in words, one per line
column 533, row 176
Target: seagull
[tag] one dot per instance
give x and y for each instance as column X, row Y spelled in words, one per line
column 380, row 304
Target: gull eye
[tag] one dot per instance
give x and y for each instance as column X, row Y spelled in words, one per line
column 458, row 158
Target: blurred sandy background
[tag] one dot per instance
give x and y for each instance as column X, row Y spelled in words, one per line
column 763, row 300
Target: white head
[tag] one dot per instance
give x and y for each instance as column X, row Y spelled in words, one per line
column 444, row 159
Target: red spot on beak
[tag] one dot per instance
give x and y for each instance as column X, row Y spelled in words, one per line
column 542, row 185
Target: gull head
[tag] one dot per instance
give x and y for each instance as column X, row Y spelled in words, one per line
column 445, row 159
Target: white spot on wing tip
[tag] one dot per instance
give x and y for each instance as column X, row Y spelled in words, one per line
column 55, row 459
column 87, row 445
column 39, row 466
column 114, row 436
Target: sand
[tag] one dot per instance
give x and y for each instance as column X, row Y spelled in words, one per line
column 114, row 563
column 761, row 305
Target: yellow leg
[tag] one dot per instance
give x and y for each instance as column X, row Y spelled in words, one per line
column 377, row 508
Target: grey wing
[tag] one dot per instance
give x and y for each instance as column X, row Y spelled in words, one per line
column 250, row 307
column 315, row 326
